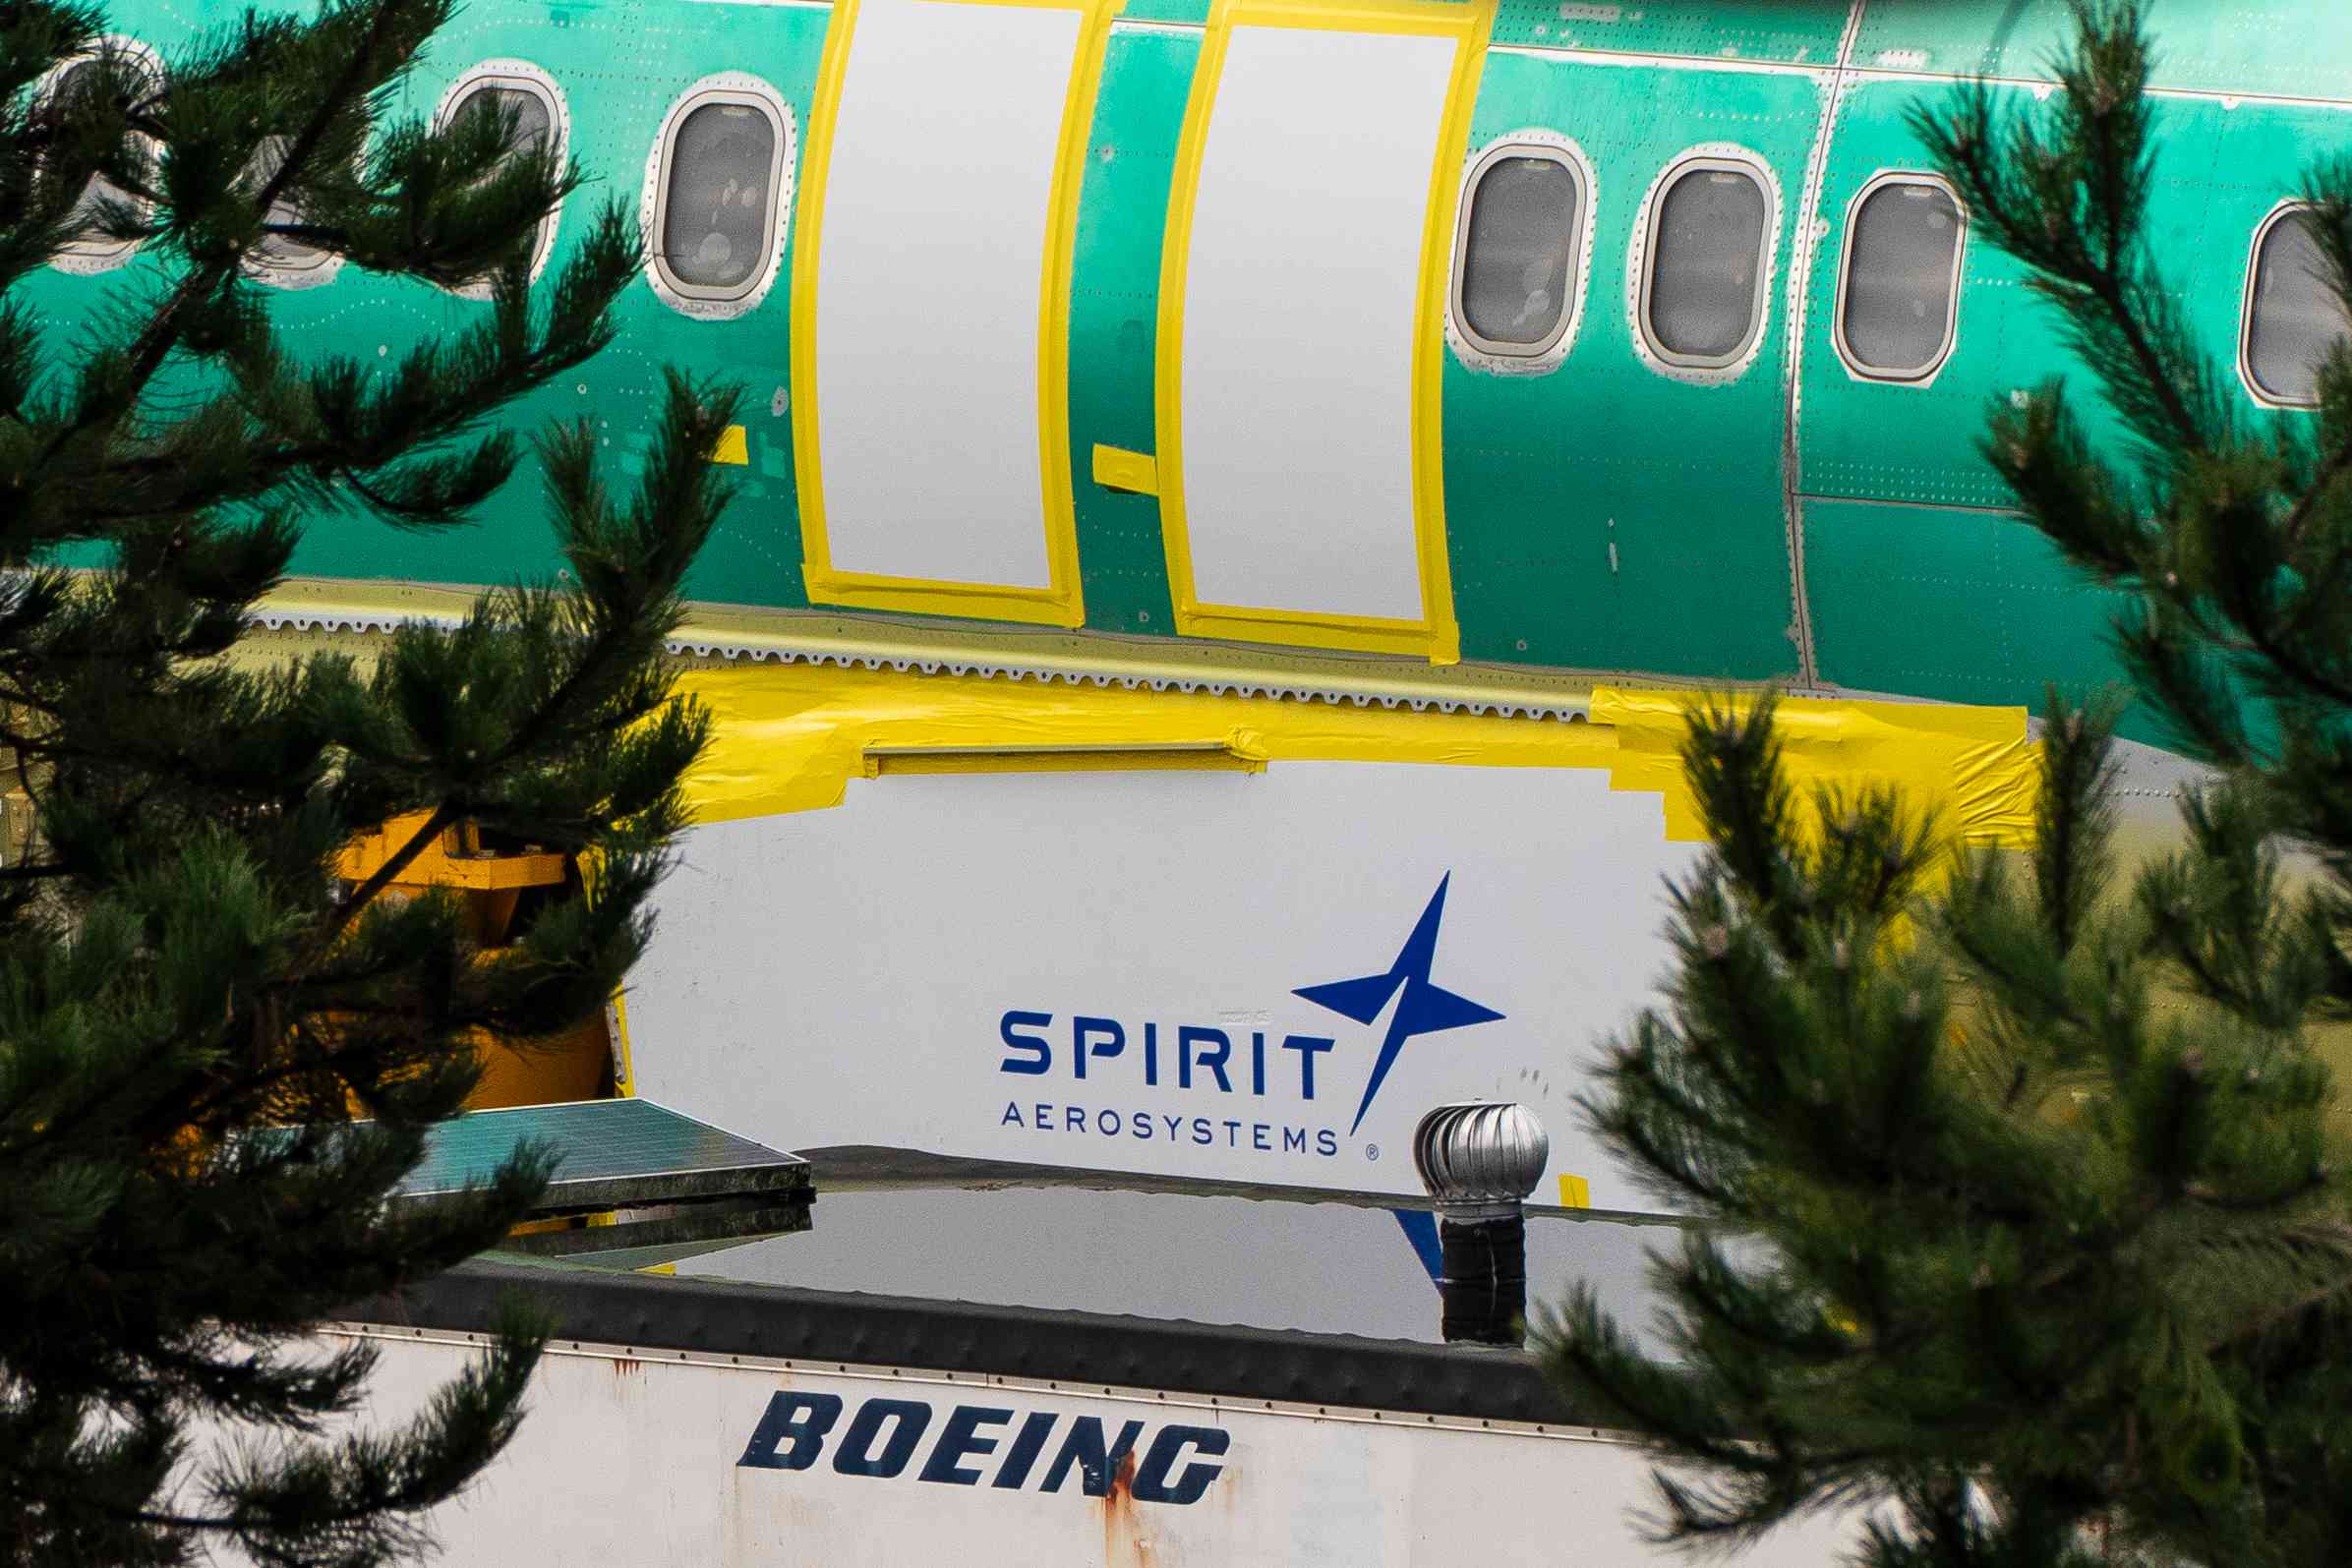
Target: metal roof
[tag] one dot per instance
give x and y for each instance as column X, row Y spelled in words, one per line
column 1212, row 1253
column 974, row 1268
column 662, row 1186
column 646, row 1315
column 611, row 1154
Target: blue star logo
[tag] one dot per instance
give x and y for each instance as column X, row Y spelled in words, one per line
column 1425, row 1009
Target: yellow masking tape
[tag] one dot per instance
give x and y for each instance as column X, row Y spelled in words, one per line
column 1575, row 1192
column 1437, row 636
column 1060, row 603
column 792, row 737
column 732, row 447
column 1972, row 765
column 625, row 1071
column 1116, row 468
column 882, row 763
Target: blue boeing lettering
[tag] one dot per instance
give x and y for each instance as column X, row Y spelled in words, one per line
column 960, row 1439
column 1096, row 1459
column 1152, row 1482
column 1022, row 1457
column 1177, row 1467
column 857, row 1455
column 792, row 1434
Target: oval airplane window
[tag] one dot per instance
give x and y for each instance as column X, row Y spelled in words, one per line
column 1522, row 236
column 533, row 122
column 1702, row 298
column 716, row 212
column 94, row 251
column 2292, row 314
column 282, row 259
column 1900, row 281
column 539, row 124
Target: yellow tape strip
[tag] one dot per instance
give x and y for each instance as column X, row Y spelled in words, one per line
column 624, row 1068
column 1438, row 635
column 1061, row 602
column 1575, row 1192
column 1116, row 468
column 1972, row 764
column 792, row 737
column 808, row 229
column 732, row 447
column 1089, row 759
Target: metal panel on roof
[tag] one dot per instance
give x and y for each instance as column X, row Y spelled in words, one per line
column 610, row 1153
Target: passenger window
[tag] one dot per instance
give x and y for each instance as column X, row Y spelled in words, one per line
column 279, row 253
column 535, row 129
column 95, row 251
column 1702, row 299
column 1900, row 280
column 2292, row 314
column 717, row 199
column 1522, row 238
column 533, row 124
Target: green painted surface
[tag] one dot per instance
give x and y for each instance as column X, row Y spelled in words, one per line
column 1925, row 592
column 1912, row 441
column 1114, row 318
column 1192, row 13
column 1544, row 472
column 621, row 67
column 2286, row 49
column 1791, row 31
column 59, row 301
column 1973, row 604
column 2220, row 171
column 1965, row 606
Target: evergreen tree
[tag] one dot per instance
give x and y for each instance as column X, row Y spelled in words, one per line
column 2018, row 1213
column 217, row 1059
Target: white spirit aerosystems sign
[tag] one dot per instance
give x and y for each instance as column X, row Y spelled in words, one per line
column 1256, row 977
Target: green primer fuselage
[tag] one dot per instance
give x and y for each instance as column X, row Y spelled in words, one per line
column 1796, row 523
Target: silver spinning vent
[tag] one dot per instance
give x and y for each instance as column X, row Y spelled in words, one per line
column 1478, row 1162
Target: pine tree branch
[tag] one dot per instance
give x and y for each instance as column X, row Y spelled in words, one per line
column 2188, row 432
column 2338, row 1238
column 160, row 993
column 436, row 822
column 163, row 333
column 2331, row 468
column 2289, row 661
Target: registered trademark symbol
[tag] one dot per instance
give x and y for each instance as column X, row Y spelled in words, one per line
column 1372, row 1151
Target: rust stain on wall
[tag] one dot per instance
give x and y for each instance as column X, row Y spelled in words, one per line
column 1125, row 1545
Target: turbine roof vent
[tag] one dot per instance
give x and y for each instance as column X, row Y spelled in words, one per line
column 1480, row 1159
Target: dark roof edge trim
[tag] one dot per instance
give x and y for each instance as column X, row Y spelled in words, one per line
column 724, row 1317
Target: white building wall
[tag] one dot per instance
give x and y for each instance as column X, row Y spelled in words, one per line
column 629, row 1459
